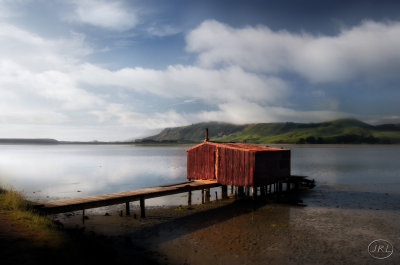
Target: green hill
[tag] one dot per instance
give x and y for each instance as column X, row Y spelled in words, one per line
column 337, row 131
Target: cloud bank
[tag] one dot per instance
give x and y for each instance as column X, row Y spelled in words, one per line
column 369, row 49
column 239, row 73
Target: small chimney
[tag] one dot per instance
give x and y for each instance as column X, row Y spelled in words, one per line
column 206, row 139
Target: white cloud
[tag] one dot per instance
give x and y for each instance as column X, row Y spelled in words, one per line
column 111, row 15
column 369, row 50
column 249, row 112
column 212, row 86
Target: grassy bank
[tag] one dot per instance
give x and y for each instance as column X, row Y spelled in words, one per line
column 29, row 238
column 18, row 211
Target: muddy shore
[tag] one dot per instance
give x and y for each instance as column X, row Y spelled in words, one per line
column 331, row 226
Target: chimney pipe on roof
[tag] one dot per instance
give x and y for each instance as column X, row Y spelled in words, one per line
column 206, row 139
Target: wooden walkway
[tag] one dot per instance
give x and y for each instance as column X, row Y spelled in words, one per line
column 69, row 205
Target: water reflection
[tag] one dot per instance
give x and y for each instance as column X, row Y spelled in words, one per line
column 54, row 172
column 68, row 171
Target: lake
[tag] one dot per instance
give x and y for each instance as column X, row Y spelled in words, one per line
column 48, row 172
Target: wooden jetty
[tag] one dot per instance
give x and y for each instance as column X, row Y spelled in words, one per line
column 261, row 170
column 69, row 205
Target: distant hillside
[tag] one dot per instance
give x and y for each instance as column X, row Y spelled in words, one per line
column 27, row 141
column 194, row 133
column 338, row 131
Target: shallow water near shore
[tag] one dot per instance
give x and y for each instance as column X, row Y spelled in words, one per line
column 356, row 201
column 48, row 172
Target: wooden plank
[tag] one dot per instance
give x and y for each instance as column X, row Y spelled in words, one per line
column 88, row 202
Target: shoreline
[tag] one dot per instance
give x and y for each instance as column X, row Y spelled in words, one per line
column 329, row 229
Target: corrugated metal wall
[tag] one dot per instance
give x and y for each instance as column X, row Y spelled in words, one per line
column 201, row 162
column 233, row 164
column 235, row 167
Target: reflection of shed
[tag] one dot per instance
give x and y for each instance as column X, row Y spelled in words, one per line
column 237, row 164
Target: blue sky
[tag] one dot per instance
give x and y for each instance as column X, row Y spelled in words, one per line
column 118, row 70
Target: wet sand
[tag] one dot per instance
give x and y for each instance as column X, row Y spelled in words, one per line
column 333, row 225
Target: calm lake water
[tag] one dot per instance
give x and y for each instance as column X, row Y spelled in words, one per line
column 48, row 172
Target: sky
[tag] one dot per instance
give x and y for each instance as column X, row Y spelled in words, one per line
column 113, row 70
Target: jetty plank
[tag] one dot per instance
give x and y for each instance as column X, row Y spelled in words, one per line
column 68, row 205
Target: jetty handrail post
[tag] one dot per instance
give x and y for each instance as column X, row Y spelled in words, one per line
column 142, row 207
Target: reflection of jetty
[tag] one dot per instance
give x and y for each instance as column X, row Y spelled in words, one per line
column 247, row 169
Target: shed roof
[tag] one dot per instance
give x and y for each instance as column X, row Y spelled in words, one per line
column 238, row 146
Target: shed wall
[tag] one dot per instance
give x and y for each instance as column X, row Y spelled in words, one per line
column 270, row 165
column 201, row 162
column 235, row 167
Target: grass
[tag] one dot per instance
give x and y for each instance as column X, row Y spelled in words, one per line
column 18, row 211
column 29, row 238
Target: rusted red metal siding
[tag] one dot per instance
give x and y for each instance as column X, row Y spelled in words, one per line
column 235, row 167
column 201, row 162
column 237, row 164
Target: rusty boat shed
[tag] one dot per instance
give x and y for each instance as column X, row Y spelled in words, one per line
column 237, row 164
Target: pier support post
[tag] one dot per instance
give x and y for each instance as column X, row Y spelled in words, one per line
column 83, row 216
column 189, row 198
column 208, row 195
column 224, row 191
column 254, row 193
column 202, row 196
column 240, row 191
column 231, row 189
column 142, row 207
column 127, row 209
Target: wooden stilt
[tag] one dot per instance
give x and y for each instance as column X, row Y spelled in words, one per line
column 202, row 196
column 216, row 196
column 224, row 191
column 240, row 191
column 83, row 216
column 189, row 198
column 254, row 193
column 142, row 207
column 231, row 189
column 263, row 191
column 208, row 195
column 127, row 209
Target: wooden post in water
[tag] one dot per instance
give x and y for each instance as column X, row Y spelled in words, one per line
column 254, row 193
column 224, row 191
column 208, row 195
column 189, row 198
column 247, row 189
column 216, row 195
column 240, row 191
column 202, row 196
column 142, row 207
column 127, row 210
column 83, row 216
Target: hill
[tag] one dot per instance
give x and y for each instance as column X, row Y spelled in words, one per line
column 27, row 141
column 331, row 132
